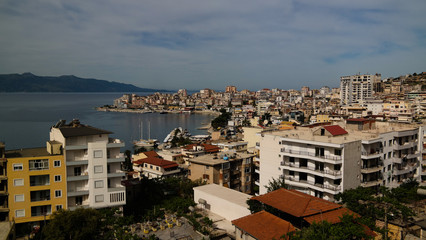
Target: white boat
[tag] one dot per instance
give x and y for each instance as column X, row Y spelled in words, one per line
column 146, row 143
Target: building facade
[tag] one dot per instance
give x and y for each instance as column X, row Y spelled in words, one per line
column 93, row 165
column 37, row 184
column 357, row 87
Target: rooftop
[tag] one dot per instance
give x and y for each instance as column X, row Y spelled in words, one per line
column 263, row 225
column 27, row 152
column 213, row 160
column 224, row 193
column 306, row 133
column 76, row 129
column 157, row 162
column 296, row 203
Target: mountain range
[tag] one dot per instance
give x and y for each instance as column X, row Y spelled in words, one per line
column 28, row 82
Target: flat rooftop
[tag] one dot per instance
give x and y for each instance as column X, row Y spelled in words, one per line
column 304, row 133
column 211, row 159
column 224, row 193
column 27, row 152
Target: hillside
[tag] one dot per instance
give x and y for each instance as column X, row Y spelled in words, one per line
column 29, row 82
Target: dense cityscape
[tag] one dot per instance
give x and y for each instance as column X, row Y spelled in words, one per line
column 328, row 163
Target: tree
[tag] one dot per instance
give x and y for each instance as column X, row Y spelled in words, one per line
column 275, row 184
column 87, row 223
column 79, row 224
column 348, row 228
column 222, row 120
column 128, row 166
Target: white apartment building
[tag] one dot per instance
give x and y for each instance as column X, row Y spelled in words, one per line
column 326, row 160
column 357, row 87
column 93, row 162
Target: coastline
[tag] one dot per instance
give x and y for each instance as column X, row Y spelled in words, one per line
column 143, row 111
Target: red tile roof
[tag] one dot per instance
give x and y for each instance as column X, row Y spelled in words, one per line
column 332, row 216
column 295, row 203
column 357, row 120
column 151, row 154
column 157, row 162
column 335, row 130
column 263, row 225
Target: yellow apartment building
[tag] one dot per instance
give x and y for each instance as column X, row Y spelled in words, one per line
column 37, row 182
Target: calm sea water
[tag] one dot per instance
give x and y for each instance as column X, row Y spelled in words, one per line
column 26, row 118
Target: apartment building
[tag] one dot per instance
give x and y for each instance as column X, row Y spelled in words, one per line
column 4, row 206
column 325, row 160
column 36, row 183
column 357, row 87
column 398, row 110
column 93, row 165
column 151, row 165
column 229, row 169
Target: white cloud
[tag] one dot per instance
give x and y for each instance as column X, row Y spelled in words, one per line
column 197, row 44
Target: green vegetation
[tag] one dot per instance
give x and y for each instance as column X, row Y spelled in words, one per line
column 275, row 184
column 348, row 228
column 222, row 120
column 87, row 223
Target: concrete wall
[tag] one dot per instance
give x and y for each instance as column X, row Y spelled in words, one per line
column 351, row 165
column 222, row 207
column 269, row 161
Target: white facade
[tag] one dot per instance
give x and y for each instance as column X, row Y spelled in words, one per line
column 356, row 87
column 222, row 201
column 323, row 166
column 93, row 167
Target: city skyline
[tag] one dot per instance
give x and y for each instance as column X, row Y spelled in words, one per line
column 194, row 45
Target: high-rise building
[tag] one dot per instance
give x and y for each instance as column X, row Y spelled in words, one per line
column 4, row 207
column 231, row 89
column 357, row 87
column 93, row 165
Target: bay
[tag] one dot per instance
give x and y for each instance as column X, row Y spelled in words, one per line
column 26, row 118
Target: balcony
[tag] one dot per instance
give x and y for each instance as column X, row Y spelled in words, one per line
column 76, row 163
column 76, row 147
column 114, row 143
column 406, row 169
column 371, row 183
column 77, row 178
column 328, row 187
column 117, row 189
column 371, row 154
column 78, row 193
column 333, row 158
column 118, row 159
column 116, row 174
column 404, row 146
column 311, row 170
column 371, row 169
column 117, row 198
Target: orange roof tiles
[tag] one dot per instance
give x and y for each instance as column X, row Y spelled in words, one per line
column 295, row 203
column 151, row 154
column 332, row 216
column 207, row 147
column 263, row 225
column 335, row 130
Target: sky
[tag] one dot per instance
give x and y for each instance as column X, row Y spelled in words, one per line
column 196, row 44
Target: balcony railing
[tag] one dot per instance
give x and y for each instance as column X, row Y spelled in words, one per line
column 332, row 187
column 318, row 170
column 310, row 154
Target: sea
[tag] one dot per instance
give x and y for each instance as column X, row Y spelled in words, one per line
column 26, row 118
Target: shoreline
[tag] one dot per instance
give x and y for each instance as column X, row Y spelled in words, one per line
column 143, row 111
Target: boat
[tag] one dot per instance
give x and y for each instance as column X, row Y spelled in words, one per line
column 146, row 143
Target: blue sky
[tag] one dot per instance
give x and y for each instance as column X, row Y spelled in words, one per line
column 194, row 44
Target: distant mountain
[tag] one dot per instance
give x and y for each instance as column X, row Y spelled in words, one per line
column 29, row 82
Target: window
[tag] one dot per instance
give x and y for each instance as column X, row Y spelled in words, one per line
column 206, row 176
column 57, row 163
column 39, row 164
column 58, row 193
column 19, row 198
column 225, row 176
column 226, row 165
column 41, row 195
column 99, row 184
column 58, row 207
column 247, row 170
column 145, row 165
column 207, row 167
column 248, row 160
column 18, row 182
column 18, row 167
column 338, row 152
column 20, row 213
column 97, row 153
column 40, row 180
column 99, row 198
column 57, row 178
column 291, row 173
column 156, row 168
column 247, row 178
column 78, row 200
column 99, row 169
